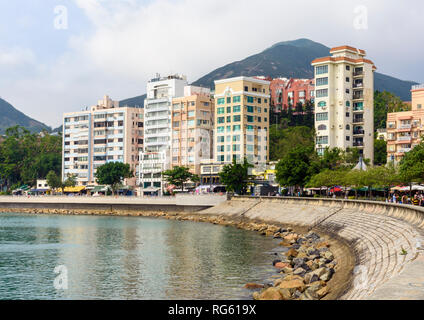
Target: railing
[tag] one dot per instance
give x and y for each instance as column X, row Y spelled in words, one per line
column 359, row 132
column 358, row 120
column 405, row 126
column 405, row 138
column 358, row 144
column 404, row 150
column 358, row 85
column 358, row 73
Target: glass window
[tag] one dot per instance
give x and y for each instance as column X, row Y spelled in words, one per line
column 322, row 116
column 250, row 109
column 321, row 69
column 322, row 81
column 322, row 140
column 322, row 104
column 250, row 119
column 221, row 129
column 322, row 93
column 221, row 101
column 221, row 110
column 237, row 118
column 236, row 128
column 236, row 109
column 221, row 119
column 236, row 99
column 250, row 99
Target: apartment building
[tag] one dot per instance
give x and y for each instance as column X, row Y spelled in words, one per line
column 289, row 92
column 192, row 121
column 242, row 120
column 344, row 101
column 405, row 129
column 98, row 135
column 157, row 123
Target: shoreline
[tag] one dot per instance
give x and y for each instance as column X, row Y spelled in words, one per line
column 339, row 278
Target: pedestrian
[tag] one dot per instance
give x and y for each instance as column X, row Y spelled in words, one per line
column 416, row 201
column 404, row 199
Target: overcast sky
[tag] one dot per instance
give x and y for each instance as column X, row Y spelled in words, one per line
column 62, row 55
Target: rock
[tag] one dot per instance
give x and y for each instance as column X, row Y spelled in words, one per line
column 277, row 235
column 313, row 252
column 299, row 272
column 275, row 262
column 293, row 285
column 322, row 292
column 300, row 240
column 285, row 293
column 297, row 294
column 284, row 243
column 303, row 255
column 282, row 265
column 291, row 236
column 323, row 244
column 329, row 256
column 256, row 295
column 271, row 294
column 287, row 270
column 325, row 249
column 277, row 282
column 311, row 278
column 309, row 294
column 292, row 277
column 253, row 286
column 313, row 236
column 296, row 246
column 292, row 253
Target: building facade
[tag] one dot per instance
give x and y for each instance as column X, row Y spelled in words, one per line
column 344, row 101
column 98, row 135
column 242, row 120
column 405, row 129
column 289, row 92
column 192, row 121
column 158, row 123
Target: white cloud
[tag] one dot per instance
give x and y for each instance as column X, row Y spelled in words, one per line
column 11, row 57
column 131, row 40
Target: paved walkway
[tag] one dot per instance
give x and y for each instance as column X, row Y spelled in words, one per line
column 390, row 261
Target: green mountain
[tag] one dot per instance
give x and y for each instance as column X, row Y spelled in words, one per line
column 293, row 59
column 10, row 117
column 133, row 102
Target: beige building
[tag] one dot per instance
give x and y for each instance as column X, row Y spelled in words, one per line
column 344, row 101
column 405, row 129
column 192, row 128
column 103, row 133
column 242, row 120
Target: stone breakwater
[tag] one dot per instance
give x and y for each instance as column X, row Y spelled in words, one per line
column 306, row 268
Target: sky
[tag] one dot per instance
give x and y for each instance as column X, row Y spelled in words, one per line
column 61, row 56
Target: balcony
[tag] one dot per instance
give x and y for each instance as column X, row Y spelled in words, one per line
column 358, row 95
column 358, row 120
column 405, row 126
column 405, row 138
column 358, row 132
column 358, row 85
column 358, row 144
column 358, row 73
column 404, row 150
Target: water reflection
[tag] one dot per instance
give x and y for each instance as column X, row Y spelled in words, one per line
column 128, row 258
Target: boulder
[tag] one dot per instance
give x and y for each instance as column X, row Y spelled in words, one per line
column 293, row 285
column 328, row 255
column 253, row 286
column 291, row 236
column 299, row 272
column 292, row 253
column 285, row 293
column 323, row 244
column 322, row 292
column 282, row 265
column 270, row 294
column 309, row 294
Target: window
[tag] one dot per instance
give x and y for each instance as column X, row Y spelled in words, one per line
column 322, row 81
column 322, row 140
column 347, row 103
column 236, row 128
column 250, row 109
column 236, row 147
column 221, row 101
column 228, row 99
column 236, row 138
column 322, row 93
column 347, row 79
column 347, row 138
column 347, row 91
column 237, row 118
column 221, row 158
column 228, row 119
column 221, row 139
column 419, row 106
column 236, row 99
column 246, row 88
column 228, row 109
column 221, row 110
column 348, row 68
column 321, row 69
column 250, row 119
column 192, row 113
column 347, row 114
column 221, row 120
column 221, row 129
column 250, row 148
column 322, row 116
column 250, row 99
column 236, row 109
column 190, row 123
column 221, row 148
column 322, row 104
column 322, row 127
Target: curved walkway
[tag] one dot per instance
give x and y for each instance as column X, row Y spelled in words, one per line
column 386, row 239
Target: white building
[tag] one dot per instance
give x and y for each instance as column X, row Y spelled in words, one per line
column 344, row 101
column 152, row 164
column 157, row 118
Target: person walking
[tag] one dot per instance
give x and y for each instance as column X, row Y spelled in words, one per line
column 416, row 201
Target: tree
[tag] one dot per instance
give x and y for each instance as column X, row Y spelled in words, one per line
column 386, row 102
column 53, row 180
column 296, row 167
column 113, row 174
column 236, row 176
column 411, row 167
column 281, row 140
column 380, row 152
column 178, row 176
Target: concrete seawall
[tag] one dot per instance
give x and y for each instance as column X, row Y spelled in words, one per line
column 385, row 240
column 180, row 204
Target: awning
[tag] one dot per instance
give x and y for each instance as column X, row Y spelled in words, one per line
column 39, row 190
column 74, row 189
column 99, row 189
column 150, row 189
